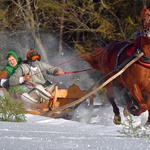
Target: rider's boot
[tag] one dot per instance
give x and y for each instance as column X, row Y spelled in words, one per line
column 34, row 104
column 27, row 98
column 42, row 92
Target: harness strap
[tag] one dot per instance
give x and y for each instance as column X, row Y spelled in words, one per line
column 119, row 66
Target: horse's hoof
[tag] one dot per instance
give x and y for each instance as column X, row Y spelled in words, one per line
column 125, row 111
column 117, row 120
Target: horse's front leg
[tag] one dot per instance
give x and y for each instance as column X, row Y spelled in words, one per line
column 110, row 96
column 136, row 92
column 148, row 120
column 148, row 107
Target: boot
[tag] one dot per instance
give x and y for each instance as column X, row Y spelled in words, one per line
column 27, row 98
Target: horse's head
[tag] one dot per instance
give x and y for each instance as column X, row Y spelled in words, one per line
column 145, row 16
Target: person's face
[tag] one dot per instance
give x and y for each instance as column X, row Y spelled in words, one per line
column 12, row 61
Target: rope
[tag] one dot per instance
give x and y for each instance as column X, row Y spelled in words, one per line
column 65, row 63
column 77, row 71
column 73, row 72
column 70, row 60
column 53, row 81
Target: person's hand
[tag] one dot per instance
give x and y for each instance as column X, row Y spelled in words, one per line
column 60, row 72
column 26, row 77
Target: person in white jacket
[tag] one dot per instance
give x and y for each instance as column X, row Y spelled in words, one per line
column 29, row 82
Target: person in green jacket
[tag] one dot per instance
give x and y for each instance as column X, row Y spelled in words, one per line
column 13, row 61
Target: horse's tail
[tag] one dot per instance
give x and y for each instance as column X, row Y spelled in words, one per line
column 94, row 58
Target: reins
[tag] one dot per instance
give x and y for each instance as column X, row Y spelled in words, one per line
column 71, row 72
column 77, row 71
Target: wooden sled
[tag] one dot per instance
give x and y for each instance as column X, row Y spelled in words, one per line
column 61, row 97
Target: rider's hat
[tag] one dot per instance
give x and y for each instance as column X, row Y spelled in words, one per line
column 33, row 55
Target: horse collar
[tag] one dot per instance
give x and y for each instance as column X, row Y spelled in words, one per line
column 144, row 60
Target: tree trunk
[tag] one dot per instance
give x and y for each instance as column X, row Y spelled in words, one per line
column 61, row 30
column 32, row 25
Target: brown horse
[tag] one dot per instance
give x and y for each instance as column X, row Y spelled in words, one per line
column 136, row 79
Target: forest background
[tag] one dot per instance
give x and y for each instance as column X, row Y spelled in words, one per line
column 72, row 25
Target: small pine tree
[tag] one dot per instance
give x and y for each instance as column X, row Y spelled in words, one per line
column 11, row 111
column 130, row 130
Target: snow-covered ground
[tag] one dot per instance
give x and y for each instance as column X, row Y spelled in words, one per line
column 44, row 133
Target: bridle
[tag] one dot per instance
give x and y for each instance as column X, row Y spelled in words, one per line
column 144, row 60
column 146, row 25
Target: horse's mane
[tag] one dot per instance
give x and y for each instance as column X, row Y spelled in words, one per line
column 94, row 58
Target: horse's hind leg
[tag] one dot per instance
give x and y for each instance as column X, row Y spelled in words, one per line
column 117, row 118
